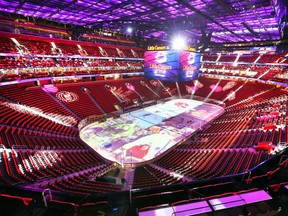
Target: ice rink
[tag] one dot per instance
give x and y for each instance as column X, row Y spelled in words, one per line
column 144, row 134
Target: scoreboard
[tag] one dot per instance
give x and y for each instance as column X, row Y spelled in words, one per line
column 171, row 65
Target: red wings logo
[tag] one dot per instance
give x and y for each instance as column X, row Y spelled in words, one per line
column 154, row 82
column 67, row 97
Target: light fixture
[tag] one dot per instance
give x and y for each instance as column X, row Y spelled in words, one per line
column 129, row 29
column 178, row 43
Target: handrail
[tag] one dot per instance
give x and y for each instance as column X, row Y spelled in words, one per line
column 44, row 197
column 249, row 176
column 243, row 176
column 280, row 161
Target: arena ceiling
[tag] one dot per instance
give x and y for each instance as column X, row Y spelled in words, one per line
column 222, row 20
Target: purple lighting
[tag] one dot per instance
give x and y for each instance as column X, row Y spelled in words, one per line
column 160, row 18
column 216, row 88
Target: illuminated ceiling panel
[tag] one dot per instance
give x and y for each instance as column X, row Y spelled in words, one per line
column 228, row 20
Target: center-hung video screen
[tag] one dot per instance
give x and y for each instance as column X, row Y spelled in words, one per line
column 162, row 65
column 189, row 65
column 171, row 65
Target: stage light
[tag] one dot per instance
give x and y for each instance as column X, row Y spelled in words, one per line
column 129, row 29
column 178, row 43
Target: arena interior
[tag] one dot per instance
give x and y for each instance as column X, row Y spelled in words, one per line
column 84, row 131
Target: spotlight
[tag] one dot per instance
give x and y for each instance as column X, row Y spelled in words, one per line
column 178, row 43
column 129, row 30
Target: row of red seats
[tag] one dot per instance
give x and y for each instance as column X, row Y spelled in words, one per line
column 248, row 58
column 41, row 62
column 63, row 73
column 11, row 63
column 264, row 58
column 39, row 72
column 143, row 178
column 202, row 164
column 70, row 63
column 54, row 207
column 85, row 187
column 101, row 92
column 234, row 67
column 227, row 58
column 83, row 106
column 84, row 182
column 39, row 111
column 23, row 166
column 7, row 45
column 256, row 98
column 264, row 72
column 259, row 180
column 12, row 116
column 17, row 137
column 231, row 121
column 39, row 47
column 213, row 66
column 211, row 57
column 215, row 88
column 267, row 58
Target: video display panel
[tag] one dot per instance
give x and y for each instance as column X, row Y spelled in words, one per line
column 189, row 65
column 172, row 65
column 162, row 65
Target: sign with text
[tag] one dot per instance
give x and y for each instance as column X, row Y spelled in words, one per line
column 171, row 65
